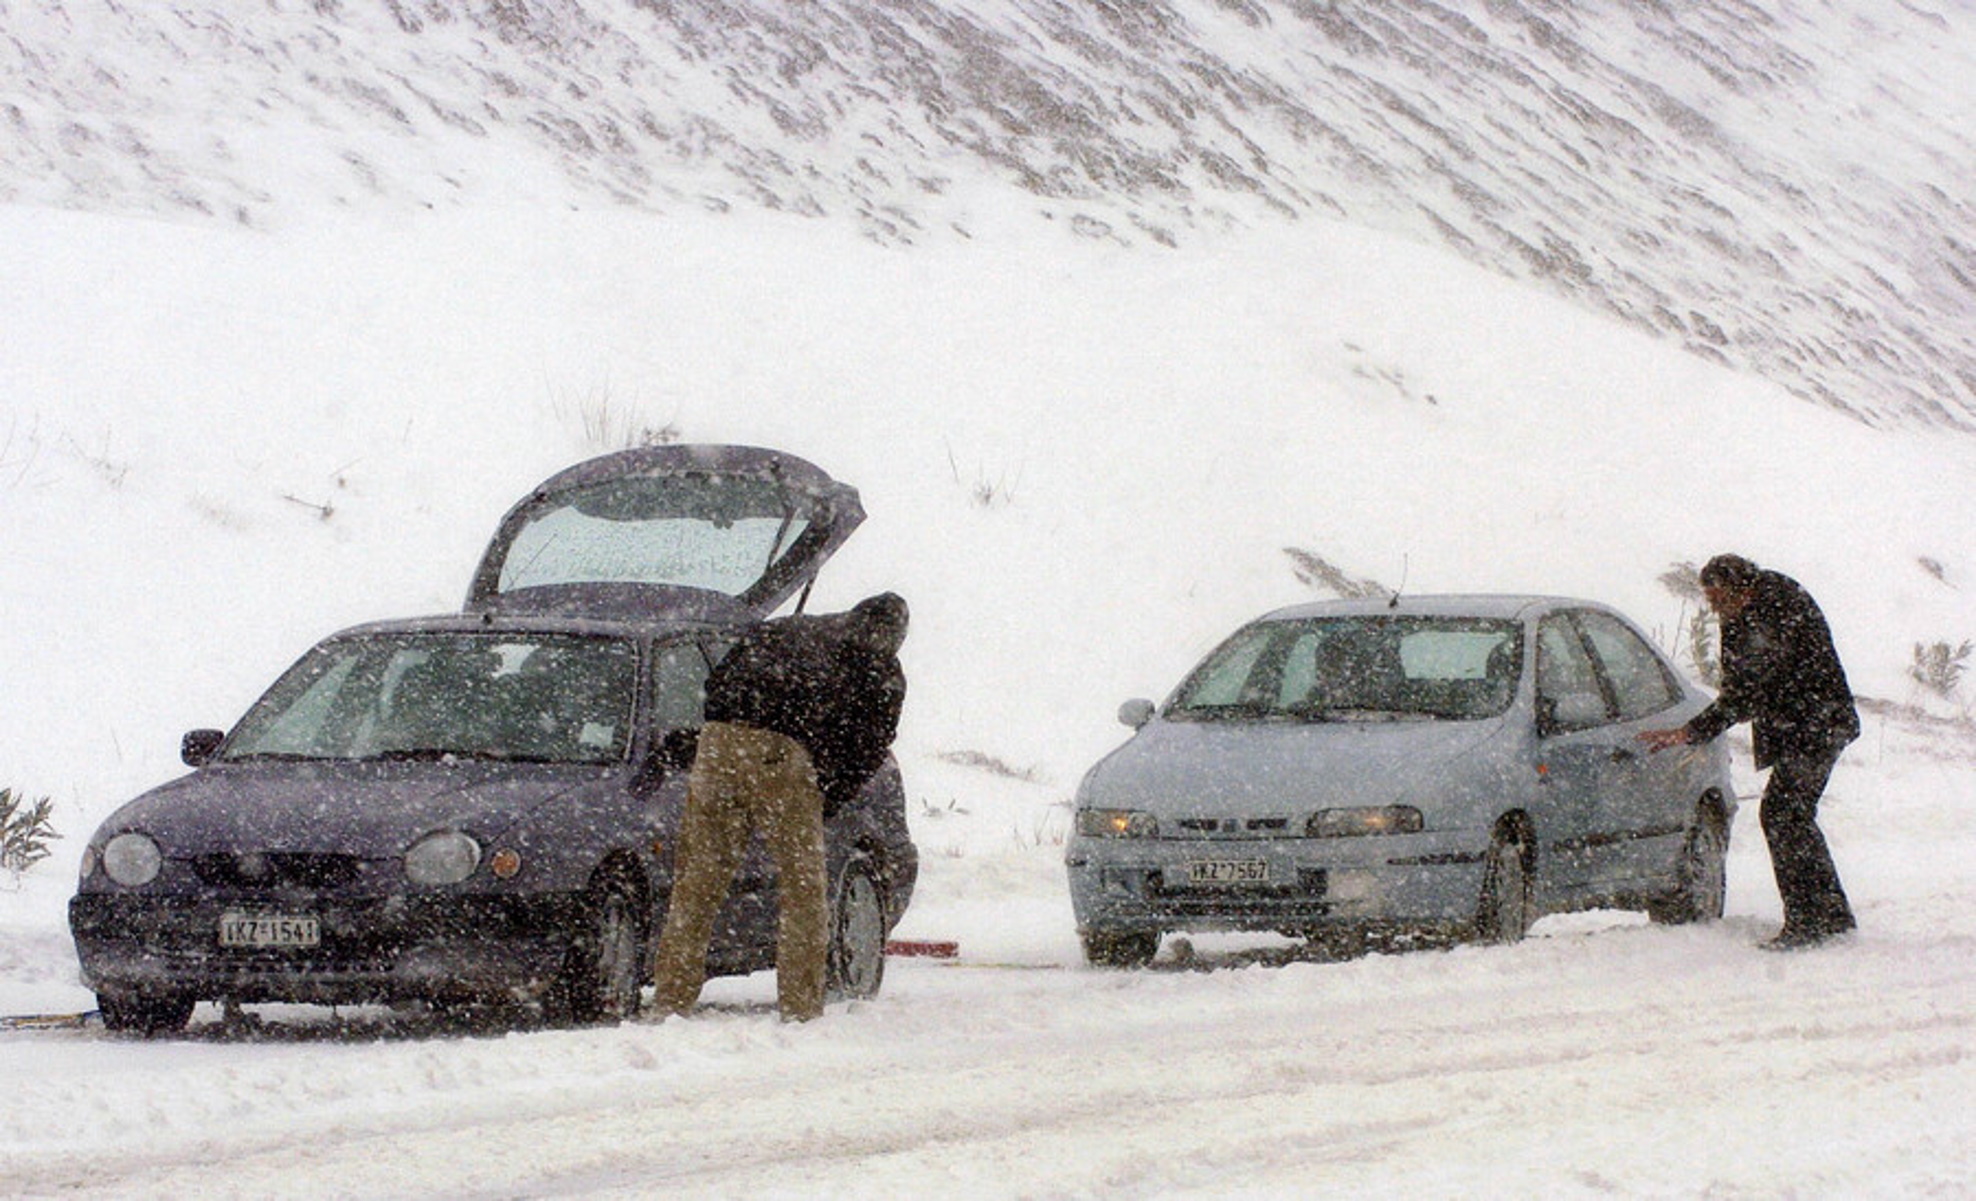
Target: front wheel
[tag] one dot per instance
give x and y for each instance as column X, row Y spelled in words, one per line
column 1126, row 949
column 1702, row 878
column 605, row 965
column 855, row 968
column 142, row 1014
column 1503, row 915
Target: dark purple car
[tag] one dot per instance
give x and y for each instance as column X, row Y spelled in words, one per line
column 480, row 808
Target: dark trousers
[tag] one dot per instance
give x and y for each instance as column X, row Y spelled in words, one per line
column 1814, row 900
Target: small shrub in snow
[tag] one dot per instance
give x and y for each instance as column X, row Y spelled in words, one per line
column 24, row 830
column 1938, row 667
column 1697, row 631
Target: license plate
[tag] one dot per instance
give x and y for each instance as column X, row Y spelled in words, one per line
column 1228, row 871
column 268, row 930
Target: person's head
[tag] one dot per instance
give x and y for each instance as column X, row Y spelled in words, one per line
column 879, row 623
column 1728, row 583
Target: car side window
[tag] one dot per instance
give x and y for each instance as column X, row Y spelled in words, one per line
column 1639, row 679
column 679, row 686
column 1568, row 692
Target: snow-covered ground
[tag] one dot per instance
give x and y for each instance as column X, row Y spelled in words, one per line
column 1083, row 466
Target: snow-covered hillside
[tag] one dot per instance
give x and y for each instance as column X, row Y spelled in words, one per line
column 1785, row 187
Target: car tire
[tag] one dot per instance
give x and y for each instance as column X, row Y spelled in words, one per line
column 1119, row 948
column 143, row 1014
column 1702, row 874
column 605, row 966
column 1503, row 915
column 855, row 967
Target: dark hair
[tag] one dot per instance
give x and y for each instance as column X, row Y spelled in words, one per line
column 1729, row 571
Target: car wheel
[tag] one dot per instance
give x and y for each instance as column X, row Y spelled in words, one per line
column 1124, row 949
column 1503, row 916
column 139, row 1013
column 1702, row 875
column 605, row 966
column 856, row 965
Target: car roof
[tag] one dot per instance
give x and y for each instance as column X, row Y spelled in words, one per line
column 1506, row 605
column 526, row 623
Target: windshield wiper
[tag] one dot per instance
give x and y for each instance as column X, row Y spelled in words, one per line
column 1250, row 709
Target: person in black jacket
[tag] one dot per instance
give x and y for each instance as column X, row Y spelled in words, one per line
column 799, row 715
column 1781, row 673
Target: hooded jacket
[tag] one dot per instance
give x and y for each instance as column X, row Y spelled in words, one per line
column 1781, row 673
column 832, row 683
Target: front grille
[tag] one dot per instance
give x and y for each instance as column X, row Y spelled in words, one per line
column 277, row 869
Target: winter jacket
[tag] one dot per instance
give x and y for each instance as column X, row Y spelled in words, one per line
column 813, row 679
column 1781, row 673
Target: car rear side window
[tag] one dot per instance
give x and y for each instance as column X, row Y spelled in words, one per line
column 1568, row 692
column 1640, row 681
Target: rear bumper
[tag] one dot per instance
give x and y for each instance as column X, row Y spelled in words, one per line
column 370, row 950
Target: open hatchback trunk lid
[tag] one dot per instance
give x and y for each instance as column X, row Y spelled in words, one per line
column 713, row 533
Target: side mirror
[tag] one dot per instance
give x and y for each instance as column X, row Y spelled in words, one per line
column 1136, row 712
column 198, row 747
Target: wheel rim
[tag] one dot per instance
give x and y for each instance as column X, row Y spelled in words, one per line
column 859, row 953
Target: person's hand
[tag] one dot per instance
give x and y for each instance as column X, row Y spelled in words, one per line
column 1660, row 740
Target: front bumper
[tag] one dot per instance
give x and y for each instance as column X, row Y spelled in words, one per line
column 383, row 949
column 1308, row 885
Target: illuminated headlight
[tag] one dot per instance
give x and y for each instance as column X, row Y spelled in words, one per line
column 1116, row 823
column 132, row 859
column 446, row 857
column 1371, row 819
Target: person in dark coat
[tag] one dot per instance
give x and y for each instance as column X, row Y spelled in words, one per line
column 799, row 715
column 1781, row 673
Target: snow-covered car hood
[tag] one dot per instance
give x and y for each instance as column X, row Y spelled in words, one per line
column 370, row 810
column 1176, row 769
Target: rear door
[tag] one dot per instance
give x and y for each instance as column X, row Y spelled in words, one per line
column 714, row 533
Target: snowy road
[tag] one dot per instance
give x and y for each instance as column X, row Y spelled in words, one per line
column 1604, row 1056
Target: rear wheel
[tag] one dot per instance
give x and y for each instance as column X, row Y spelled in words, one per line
column 143, row 1014
column 605, row 965
column 855, row 968
column 1503, row 915
column 1126, row 949
column 1702, row 875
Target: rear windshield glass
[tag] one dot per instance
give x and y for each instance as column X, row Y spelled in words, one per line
column 541, row 699
column 695, row 531
column 1357, row 668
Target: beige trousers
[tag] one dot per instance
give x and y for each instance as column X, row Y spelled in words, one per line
column 745, row 779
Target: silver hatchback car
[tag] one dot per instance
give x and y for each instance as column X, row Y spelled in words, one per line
column 1451, row 766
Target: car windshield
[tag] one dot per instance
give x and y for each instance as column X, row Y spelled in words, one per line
column 719, row 533
column 1357, row 668
column 546, row 699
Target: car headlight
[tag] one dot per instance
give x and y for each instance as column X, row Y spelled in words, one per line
column 132, row 859
column 1368, row 819
column 444, row 857
column 1116, row 823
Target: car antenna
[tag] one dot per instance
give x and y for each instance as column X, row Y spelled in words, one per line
column 1394, row 603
